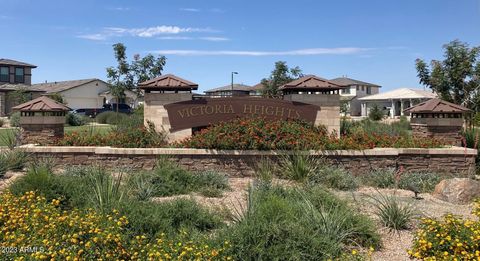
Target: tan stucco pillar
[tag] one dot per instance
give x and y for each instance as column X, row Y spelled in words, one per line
column 154, row 111
column 329, row 112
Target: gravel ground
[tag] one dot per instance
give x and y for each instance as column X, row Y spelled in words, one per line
column 396, row 244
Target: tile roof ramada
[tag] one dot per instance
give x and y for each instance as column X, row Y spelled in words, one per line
column 437, row 106
column 41, row 103
column 168, row 82
column 311, row 83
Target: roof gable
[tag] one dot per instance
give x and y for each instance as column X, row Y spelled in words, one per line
column 437, row 106
column 311, row 83
column 236, row 87
column 402, row 93
column 11, row 62
column 350, row 81
column 41, row 103
column 54, row 87
column 168, row 82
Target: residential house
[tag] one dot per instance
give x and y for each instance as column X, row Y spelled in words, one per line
column 396, row 101
column 229, row 90
column 356, row 89
column 15, row 75
column 77, row 94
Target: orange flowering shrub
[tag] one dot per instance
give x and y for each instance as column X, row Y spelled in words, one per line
column 262, row 134
column 32, row 228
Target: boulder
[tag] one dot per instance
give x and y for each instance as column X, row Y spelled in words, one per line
column 457, row 190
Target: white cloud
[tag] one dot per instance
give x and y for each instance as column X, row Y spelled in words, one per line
column 176, row 38
column 313, row 51
column 190, row 9
column 214, row 39
column 93, row 37
column 119, row 8
column 146, row 32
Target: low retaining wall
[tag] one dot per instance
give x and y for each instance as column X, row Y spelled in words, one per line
column 243, row 163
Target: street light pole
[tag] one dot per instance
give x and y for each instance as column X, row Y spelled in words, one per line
column 232, row 80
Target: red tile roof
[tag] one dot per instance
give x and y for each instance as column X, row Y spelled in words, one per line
column 311, row 83
column 42, row 103
column 168, row 82
column 437, row 106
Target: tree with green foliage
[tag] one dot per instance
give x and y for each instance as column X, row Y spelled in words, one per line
column 57, row 97
column 376, row 113
column 19, row 95
column 457, row 78
column 281, row 75
column 127, row 75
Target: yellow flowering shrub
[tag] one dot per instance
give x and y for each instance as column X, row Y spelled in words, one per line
column 33, row 228
column 452, row 238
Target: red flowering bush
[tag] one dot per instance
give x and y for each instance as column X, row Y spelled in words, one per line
column 262, row 134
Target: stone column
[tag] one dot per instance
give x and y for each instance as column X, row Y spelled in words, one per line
column 329, row 113
column 392, row 110
column 154, row 111
column 401, row 107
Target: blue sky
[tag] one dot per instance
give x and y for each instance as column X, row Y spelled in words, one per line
column 204, row 41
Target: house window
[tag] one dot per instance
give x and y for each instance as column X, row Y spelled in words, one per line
column 358, row 88
column 346, row 91
column 19, row 75
column 363, row 88
column 4, row 77
column 369, row 90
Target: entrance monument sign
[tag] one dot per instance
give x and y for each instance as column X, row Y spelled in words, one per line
column 204, row 112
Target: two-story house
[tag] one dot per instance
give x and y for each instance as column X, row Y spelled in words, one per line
column 15, row 75
column 356, row 89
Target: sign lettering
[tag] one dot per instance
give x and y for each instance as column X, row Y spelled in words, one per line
column 204, row 112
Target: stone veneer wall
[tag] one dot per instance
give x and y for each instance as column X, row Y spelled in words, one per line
column 243, row 163
column 450, row 134
column 156, row 113
column 329, row 113
column 41, row 134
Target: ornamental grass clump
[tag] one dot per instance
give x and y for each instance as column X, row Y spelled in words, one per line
column 33, row 228
column 392, row 213
column 291, row 224
column 449, row 238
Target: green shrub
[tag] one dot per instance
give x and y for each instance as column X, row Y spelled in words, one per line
column 380, row 178
column 169, row 217
column 15, row 119
column 334, row 177
column 107, row 190
column 211, row 179
column 287, row 224
column 299, row 167
column 109, row 117
column 169, row 179
column 10, row 138
column 3, row 165
column 392, row 213
column 346, row 126
column 74, row 119
column 141, row 186
column 422, row 182
column 16, row 159
column 471, row 137
column 394, row 129
column 41, row 179
column 376, row 113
